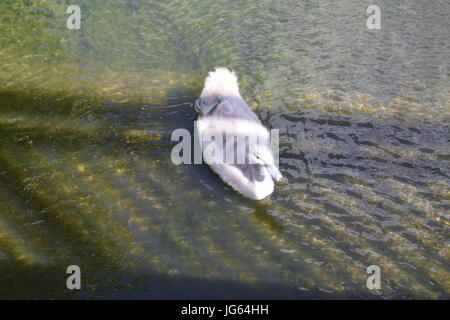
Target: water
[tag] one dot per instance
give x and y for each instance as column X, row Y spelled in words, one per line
column 85, row 171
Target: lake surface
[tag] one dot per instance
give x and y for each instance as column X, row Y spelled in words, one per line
column 86, row 179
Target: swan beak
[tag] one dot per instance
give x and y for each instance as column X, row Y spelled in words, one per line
column 275, row 173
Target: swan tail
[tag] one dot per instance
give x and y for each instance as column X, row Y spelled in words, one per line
column 220, row 82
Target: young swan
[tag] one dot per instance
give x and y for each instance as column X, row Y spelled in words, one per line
column 234, row 142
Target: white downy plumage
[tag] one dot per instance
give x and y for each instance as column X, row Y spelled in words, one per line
column 223, row 111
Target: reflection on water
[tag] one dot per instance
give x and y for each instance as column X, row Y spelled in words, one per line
column 85, row 171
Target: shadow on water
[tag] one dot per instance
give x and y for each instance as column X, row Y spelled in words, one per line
column 91, row 183
column 50, row 216
column 50, row 283
column 262, row 217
